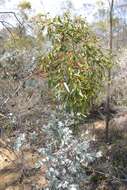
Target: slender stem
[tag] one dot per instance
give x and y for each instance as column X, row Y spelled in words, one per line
column 109, row 71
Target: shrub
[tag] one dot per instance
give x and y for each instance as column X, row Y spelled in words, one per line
column 24, row 5
column 75, row 65
column 65, row 155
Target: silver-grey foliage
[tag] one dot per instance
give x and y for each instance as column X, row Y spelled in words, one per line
column 65, row 155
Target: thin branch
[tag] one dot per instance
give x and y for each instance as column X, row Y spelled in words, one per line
column 17, row 90
column 13, row 13
column 4, row 25
column 1, row 21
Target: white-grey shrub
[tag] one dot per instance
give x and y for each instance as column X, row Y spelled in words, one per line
column 66, row 155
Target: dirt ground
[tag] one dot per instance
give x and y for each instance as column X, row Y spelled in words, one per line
column 25, row 108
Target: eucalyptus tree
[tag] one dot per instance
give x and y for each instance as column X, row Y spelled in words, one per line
column 76, row 66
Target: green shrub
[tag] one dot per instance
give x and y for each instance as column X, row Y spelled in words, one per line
column 76, row 66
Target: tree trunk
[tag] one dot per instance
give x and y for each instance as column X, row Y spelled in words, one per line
column 109, row 72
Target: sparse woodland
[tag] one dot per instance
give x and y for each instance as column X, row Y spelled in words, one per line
column 63, row 97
